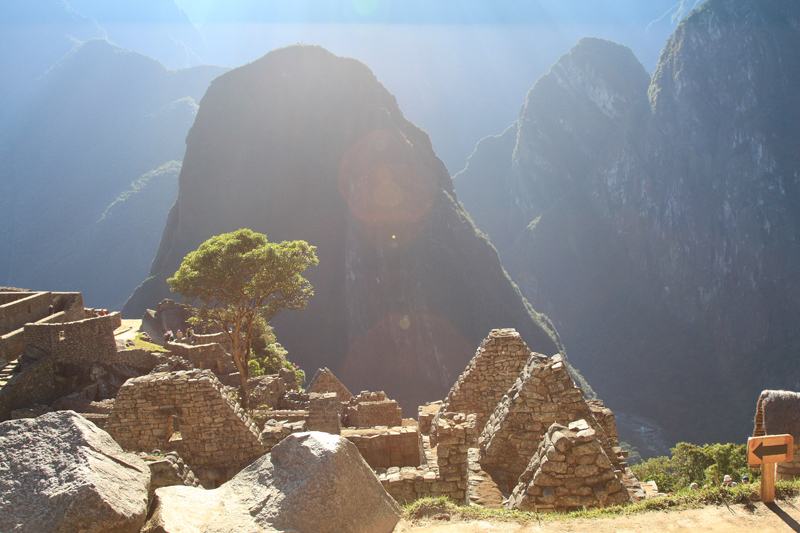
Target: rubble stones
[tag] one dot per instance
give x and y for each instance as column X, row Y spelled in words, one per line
column 570, row 470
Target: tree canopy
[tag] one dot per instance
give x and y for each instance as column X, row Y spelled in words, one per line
column 240, row 276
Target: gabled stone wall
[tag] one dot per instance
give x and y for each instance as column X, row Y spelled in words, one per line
column 188, row 412
column 491, row 372
column 324, row 381
column 569, row 471
column 543, row 394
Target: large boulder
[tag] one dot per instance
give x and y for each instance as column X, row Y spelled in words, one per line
column 311, row 482
column 60, row 473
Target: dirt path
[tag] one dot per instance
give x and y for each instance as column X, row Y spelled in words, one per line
column 780, row 519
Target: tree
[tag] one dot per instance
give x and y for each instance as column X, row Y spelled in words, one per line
column 240, row 276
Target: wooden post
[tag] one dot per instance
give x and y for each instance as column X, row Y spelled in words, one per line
column 767, row 451
column 768, row 482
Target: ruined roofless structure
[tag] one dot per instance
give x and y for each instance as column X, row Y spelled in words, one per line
column 491, row 372
column 324, row 381
column 543, row 394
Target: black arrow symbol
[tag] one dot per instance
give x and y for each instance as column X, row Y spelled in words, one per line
column 761, row 451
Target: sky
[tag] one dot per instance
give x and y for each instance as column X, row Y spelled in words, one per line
column 460, row 69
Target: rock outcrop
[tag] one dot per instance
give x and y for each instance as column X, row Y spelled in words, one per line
column 309, row 483
column 302, row 144
column 655, row 221
column 59, row 472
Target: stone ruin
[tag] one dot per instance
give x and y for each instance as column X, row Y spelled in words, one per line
column 569, row 471
column 324, row 381
column 543, row 394
column 493, row 370
column 498, row 425
column 190, row 413
column 520, row 400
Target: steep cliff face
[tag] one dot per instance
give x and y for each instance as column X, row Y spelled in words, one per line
column 96, row 126
column 303, row 144
column 661, row 228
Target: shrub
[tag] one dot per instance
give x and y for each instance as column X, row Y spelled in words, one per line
column 704, row 465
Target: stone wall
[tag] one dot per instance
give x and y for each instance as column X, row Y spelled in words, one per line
column 491, row 372
column 426, row 415
column 210, row 356
column 570, row 471
column 19, row 312
column 323, row 413
column 371, row 414
column 38, row 384
column 265, row 390
column 188, row 412
column 543, row 394
column 12, row 345
column 448, row 477
column 324, row 381
column 385, row 448
column 91, row 339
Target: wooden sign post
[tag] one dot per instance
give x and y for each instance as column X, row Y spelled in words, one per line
column 768, row 451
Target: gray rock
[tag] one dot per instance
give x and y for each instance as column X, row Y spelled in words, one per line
column 311, row 482
column 60, row 473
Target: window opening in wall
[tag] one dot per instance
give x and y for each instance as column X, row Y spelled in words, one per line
column 30, row 308
column 61, row 335
column 174, row 431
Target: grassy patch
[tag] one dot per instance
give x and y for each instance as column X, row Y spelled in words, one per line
column 433, row 508
column 139, row 342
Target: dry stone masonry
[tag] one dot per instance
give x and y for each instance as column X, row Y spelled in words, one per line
column 188, row 412
column 543, row 394
column 491, row 372
column 385, row 448
column 324, row 381
column 569, row 471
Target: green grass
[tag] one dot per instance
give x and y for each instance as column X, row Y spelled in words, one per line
column 139, row 342
column 685, row 499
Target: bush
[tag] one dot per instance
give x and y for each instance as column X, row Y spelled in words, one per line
column 704, row 465
column 267, row 354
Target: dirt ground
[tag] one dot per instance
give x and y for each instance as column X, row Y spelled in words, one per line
column 784, row 516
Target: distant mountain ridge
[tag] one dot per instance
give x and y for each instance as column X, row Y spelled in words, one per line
column 99, row 120
column 657, row 223
column 303, row 144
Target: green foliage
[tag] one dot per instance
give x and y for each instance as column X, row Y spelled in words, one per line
column 268, row 356
column 240, row 279
column 704, row 465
